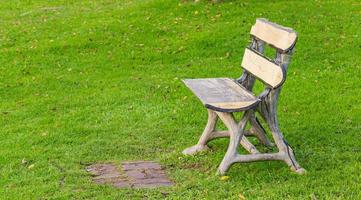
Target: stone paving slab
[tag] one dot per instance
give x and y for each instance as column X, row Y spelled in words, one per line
column 140, row 165
column 134, row 174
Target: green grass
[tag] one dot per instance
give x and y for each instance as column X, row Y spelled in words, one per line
column 92, row 81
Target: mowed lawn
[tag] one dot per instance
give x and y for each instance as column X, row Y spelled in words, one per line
column 100, row 81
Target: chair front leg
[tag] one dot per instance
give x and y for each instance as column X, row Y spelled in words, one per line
column 236, row 133
column 206, row 135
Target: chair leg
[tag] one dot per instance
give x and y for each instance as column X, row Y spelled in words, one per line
column 236, row 134
column 258, row 131
column 206, row 135
column 268, row 110
column 284, row 148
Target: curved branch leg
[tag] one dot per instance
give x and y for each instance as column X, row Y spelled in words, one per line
column 286, row 150
column 236, row 134
column 205, row 137
column 268, row 108
column 248, row 145
column 244, row 141
column 258, row 131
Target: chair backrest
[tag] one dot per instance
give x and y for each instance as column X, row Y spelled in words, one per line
column 282, row 39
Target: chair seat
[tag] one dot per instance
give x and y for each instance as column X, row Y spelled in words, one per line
column 222, row 94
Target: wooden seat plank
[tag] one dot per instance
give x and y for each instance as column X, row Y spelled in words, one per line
column 221, row 93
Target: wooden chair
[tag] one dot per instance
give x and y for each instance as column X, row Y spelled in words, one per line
column 223, row 96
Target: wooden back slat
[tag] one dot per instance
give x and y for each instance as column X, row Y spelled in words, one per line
column 264, row 69
column 283, row 38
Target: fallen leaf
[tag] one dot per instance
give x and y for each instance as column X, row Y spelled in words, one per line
column 241, row 197
column 31, row 166
column 224, row 178
column 23, row 161
column 227, row 55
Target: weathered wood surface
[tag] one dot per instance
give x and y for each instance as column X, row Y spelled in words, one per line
column 262, row 68
column 247, row 80
column 223, row 93
column 211, row 133
column 266, row 107
column 278, row 36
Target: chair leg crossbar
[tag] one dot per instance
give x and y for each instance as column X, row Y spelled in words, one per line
column 237, row 134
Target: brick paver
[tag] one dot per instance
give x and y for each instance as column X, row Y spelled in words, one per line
column 135, row 174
